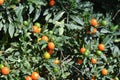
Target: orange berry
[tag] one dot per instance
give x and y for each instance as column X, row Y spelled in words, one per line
column 104, row 72
column 93, row 77
column 5, row 70
column 101, row 47
column 36, row 29
column 93, row 61
column 51, row 45
column 82, row 50
column 44, row 38
column 1, row 2
column 51, row 3
column 28, row 78
column 94, row 22
column 35, row 75
column 80, row 61
column 50, row 51
column 56, row 61
column 94, row 31
column 46, row 55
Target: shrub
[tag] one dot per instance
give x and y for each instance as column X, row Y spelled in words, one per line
column 35, row 33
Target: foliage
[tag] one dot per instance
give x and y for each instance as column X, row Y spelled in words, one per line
column 67, row 25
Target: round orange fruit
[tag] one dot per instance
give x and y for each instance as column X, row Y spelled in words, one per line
column 94, row 22
column 36, row 29
column 93, row 61
column 28, row 78
column 94, row 31
column 56, row 61
column 104, row 72
column 1, row 2
column 35, row 75
column 101, row 47
column 5, row 70
column 51, row 3
column 44, row 38
column 82, row 50
column 51, row 45
column 80, row 61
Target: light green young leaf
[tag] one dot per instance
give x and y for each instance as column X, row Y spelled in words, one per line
column 73, row 26
column 31, row 8
column 61, row 30
column 78, row 20
column 58, row 16
column 37, row 14
column 11, row 30
column 1, row 26
column 47, row 17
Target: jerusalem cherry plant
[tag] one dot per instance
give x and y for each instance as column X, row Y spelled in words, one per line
column 57, row 39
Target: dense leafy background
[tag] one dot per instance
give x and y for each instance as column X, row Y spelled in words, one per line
column 65, row 24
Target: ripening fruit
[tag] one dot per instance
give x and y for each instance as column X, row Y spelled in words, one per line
column 104, row 23
column 93, row 77
column 37, row 24
column 51, row 3
column 36, row 29
column 46, row 55
column 1, row 66
column 104, row 72
column 1, row 52
column 56, row 61
column 99, row 52
column 55, row 70
column 50, row 51
column 28, row 78
column 5, row 70
column 1, row 2
column 51, row 46
column 116, row 78
column 44, row 38
column 101, row 47
column 35, row 75
column 93, row 61
column 39, row 39
column 94, row 22
column 51, row 32
column 94, row 31
column 25, row 23
column 82, row 50
column 87, row 52
column 80, row 61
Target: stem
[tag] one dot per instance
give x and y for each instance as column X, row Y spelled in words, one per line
column 116, row 14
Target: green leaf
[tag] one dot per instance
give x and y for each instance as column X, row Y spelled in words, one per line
column 11, row 30
column 19, row 12
column 46, row 12
column 58, row 16
column 37, row 14
column 31, row 8
column 44, row 46
column 61, row 30
column 5, row 27
column 1, row 26
column 78, row 20
column 104, row 31
column 47, row 17
column 41, row 78
column 73, row 26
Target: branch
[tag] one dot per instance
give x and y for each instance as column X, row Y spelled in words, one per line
column 116, row 14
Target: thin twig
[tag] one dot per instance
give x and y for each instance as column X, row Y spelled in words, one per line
column 116, row 14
